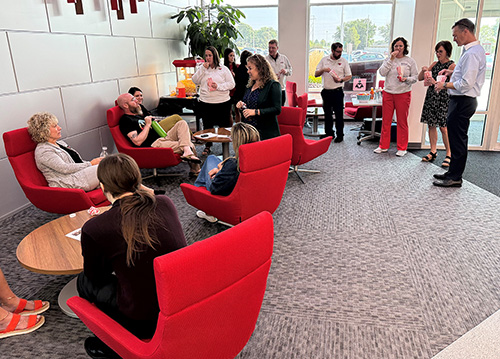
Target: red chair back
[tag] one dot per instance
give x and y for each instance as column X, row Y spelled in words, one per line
column 146, row 157
column 263, row 174
column 291, row 93
column 291, row 121
column 20, row 149
column 210, row 294
column 302, row 102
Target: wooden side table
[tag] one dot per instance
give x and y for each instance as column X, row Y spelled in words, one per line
column 224, row 139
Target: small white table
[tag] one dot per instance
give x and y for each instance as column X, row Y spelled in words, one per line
column 374, row 104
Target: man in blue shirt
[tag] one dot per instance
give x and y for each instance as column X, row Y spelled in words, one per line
column 464, row 86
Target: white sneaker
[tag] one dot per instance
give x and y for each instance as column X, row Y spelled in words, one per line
column 380, row 150
column 203, row 215
column 400, row 153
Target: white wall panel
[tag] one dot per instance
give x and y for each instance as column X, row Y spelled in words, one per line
column 178, row 51
column 133, row 24
column 88, row 144
column 63, row 18
column 24, row 15
column 164, row 83
column 17, row 109
column 182, row 3
column 7, row 78
column 111, row 57
column 148, row 86
column 47, row 60
column 12, row 195
column 153, row 56
column 89, row 114
column 107, row 139
column 163, row 25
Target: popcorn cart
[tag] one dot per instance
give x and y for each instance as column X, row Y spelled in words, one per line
column 184, row 70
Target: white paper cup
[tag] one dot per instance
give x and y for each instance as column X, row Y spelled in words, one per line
column 441, row 78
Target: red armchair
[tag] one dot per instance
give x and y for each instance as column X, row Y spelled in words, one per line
column 291, row 121
column 146, row 157
column 210, row 294
column 263, row 173
column 20, row 150
column 291, row 94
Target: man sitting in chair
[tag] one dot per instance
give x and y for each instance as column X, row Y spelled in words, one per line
column 137, row 127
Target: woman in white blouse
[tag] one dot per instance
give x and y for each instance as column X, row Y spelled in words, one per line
column 400, row 73
column 215, row 81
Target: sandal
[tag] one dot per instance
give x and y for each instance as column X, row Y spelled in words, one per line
column 194, row 174
column 446, row 162
column 33, row 324
column 40, row 307
column 191, row 159
column 430, row 157
column 206, row 151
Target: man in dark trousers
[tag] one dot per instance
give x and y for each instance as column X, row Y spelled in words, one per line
column 464, row 87
column 334, row 71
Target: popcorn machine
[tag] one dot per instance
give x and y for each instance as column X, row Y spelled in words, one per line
column 184, row 70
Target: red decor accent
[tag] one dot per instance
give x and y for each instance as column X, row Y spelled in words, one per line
column 71, row 1
column 187, row 63
column 20, row 150
column 133, row 7
column 114, row 5
column 210, row 294
column 263, row 174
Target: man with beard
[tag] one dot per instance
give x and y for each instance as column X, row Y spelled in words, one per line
column 334, row 71
column 138, row 129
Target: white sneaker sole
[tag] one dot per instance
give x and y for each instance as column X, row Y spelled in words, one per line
column 203, row 215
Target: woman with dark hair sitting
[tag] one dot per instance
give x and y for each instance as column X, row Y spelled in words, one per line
column 119, row 247
column 137, row 93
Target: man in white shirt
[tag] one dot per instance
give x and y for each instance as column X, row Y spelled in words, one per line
column 281, row 66
column 464, row 87
column 334, row 71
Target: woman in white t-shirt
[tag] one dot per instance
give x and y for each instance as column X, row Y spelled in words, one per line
column 400, row 73
column 215, row 81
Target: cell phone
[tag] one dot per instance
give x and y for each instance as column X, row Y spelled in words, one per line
column 204, row 135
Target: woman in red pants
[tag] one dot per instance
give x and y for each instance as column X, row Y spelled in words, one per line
column 400, row 72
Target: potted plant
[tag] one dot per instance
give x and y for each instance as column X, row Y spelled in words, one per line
column 210, row 24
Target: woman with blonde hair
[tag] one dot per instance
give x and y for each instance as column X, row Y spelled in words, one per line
column 119, row 247
column 220, row 177
column 61, row 165
column 261, row 103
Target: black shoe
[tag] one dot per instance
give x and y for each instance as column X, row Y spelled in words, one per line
column 159, row 192
column 338, row 139
column 441, row 176
column 96, row 349
column 447, row 183
column 325, row 136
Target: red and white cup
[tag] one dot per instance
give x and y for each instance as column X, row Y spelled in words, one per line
column 93, row 211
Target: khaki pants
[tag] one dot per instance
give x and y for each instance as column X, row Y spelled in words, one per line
column 177, row 138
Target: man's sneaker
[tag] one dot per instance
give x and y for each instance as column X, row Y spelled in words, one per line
column 203, row 215
column 380, row 150
column 400, row 153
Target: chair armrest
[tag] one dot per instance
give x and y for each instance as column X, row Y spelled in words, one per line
column 57, row 200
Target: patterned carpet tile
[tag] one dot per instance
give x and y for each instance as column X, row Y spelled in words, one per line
column 346, row 277
column 281, row 336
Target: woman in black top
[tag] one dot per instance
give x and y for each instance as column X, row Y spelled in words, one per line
column 137, row 93
column 119, row 247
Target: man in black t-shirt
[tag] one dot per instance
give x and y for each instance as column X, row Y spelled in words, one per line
column 137, row 129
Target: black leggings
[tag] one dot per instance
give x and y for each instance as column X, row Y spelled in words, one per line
column 215, row 114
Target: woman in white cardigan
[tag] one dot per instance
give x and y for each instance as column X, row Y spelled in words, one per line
column 215, row 81
column 61, row 165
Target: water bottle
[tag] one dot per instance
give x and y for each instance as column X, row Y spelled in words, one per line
column 104, row 152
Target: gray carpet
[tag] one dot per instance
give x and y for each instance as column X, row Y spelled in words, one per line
column 370, row 261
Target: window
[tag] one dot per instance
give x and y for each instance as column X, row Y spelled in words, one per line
column 363, row 28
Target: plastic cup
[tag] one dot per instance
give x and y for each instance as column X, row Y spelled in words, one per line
column 216, row 129
column 441, row 78
column 182, row 92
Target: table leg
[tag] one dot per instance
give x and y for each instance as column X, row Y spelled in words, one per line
column 372, row 134
column 225, row 150
column 315, row 132
column 67, row 292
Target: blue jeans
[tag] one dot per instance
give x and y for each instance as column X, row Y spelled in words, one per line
column 204, row 179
